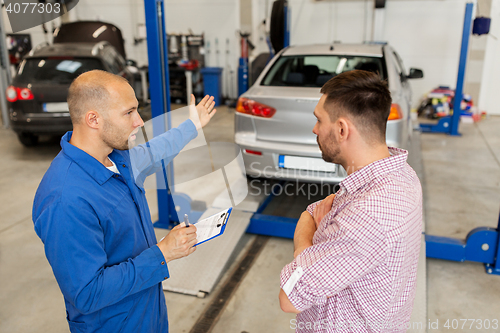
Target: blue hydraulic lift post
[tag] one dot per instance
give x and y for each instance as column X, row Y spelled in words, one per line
column 461, row 68
column 287, row 15
column 449, row 124
column 160, row 101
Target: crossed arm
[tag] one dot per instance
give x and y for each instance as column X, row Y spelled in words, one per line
column 303, row 238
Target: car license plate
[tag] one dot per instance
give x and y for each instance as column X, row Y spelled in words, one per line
column 306, row 163
column 55, row 107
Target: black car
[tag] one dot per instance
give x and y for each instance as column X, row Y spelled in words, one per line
column 37, row 96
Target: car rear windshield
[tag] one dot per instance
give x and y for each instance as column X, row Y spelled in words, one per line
column 55, row 69
column 316, row 70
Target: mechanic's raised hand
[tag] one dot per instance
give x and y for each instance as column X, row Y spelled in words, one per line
column 179, row 242
column 203, row 112
column 323, row 208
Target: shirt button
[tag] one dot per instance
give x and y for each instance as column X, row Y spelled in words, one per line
column 165, row 278
column 163, row 263
column 123, row 165
column 116, row 175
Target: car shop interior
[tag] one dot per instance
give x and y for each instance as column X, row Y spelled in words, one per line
column 254, row 169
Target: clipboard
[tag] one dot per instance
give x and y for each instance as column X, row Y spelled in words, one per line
column 212, row 226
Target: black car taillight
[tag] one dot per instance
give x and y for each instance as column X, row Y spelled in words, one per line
column 15, row 93
column 254, row 108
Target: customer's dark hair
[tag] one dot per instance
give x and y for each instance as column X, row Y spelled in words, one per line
column 364, row 98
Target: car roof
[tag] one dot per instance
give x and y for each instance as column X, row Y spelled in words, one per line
column 373, row 50
column 66, row 49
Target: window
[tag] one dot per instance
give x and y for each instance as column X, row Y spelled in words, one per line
column 316, row 70
column 55, row 69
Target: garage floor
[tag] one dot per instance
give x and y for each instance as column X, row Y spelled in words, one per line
column 461, row 192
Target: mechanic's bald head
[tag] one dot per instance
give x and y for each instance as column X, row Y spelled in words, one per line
column 90, row 91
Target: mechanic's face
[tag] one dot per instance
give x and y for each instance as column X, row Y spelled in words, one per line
column 122, row 121
column 325, row 132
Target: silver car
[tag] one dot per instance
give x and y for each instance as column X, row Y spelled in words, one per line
column 274, row 118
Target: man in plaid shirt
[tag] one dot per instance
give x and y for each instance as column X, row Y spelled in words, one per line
column 356, row 251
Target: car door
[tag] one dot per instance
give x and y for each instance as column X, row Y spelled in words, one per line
column 402, row 75
column 405, row 94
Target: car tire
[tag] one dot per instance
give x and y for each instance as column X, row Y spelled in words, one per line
column 28, row 139
column 258, row 65
column 277, row 27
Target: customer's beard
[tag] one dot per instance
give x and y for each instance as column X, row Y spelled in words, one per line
column 330, row 152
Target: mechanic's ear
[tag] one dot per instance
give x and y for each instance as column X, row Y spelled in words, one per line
column 92, row 119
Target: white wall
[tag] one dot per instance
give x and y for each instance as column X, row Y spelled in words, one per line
column 219, row 20
column 426, row 33
column 490, row 84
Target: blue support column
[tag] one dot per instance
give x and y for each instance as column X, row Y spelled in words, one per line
column 461, row 69
column 449, row 125
column 287, row 15
column 242, row 76
column 160, row 100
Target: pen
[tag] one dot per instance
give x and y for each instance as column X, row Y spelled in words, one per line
column 186, row 220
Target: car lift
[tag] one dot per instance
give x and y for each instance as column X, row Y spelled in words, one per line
column 160, row 104
column 449, row 124
column 481, row 244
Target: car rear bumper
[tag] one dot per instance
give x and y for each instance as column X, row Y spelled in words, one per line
column 41, row 123
column 267, row 164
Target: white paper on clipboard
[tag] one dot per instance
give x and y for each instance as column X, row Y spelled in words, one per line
column 212, row 226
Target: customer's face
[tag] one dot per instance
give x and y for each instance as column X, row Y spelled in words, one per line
column 121, row 120
column 325, row 132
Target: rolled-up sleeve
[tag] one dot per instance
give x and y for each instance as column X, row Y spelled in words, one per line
column 355, row 247
column 147, row 158
column 310, row 209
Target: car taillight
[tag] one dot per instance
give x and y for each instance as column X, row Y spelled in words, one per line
column 252, row 152
column 11, row 94
column 14, row 93
column 254, row 108
column 25, row 94
column 395, row 112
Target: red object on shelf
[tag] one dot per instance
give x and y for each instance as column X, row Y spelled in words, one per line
column 189, row 65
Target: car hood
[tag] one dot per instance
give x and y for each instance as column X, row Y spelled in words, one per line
column 90, row 32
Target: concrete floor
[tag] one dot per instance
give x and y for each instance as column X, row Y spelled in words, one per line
column 461, row 179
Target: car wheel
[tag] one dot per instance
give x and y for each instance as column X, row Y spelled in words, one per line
column 28, row 139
